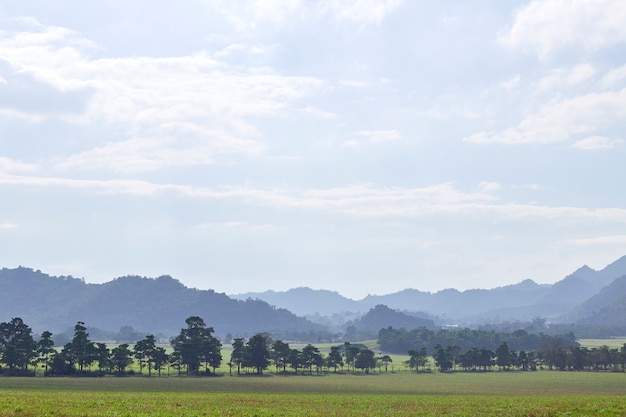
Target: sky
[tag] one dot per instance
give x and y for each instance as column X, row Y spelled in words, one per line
column 360, row 146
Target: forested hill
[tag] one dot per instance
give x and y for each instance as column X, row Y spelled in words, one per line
column 153, row 305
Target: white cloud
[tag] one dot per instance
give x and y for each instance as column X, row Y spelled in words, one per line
column 11, row 166
column 489, row 187
column 614, row 76
column 511, row 83
column 6, row 226
column 548, row 25
column 607, row 240
column 359, row 200
column 157, row 101
column 594, row 143
column 379, row 136
column 563, row 120
column 246, row 15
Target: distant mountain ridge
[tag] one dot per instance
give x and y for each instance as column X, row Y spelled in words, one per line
column 522, row 301
column 153, row 304
column 586, row 297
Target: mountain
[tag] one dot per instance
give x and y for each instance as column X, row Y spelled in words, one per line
column 605, row 308
column 158, row 305
column 525, row 300
column 305, row 301
column 382, row 316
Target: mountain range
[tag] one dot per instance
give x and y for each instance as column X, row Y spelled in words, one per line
column 560, row 302
column 585, row 298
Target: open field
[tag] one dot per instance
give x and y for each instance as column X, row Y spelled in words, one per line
column 457, row 394
column 613, row 343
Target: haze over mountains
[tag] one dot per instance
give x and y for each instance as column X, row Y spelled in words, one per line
column 584, row 298
column 521, row 301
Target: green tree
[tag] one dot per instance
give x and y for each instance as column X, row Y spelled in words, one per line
column 311, row 356
column 280, row 354
column 121, row 358
column 334, row 358
column 259, row 352
column 195, row 344
column 350, row 354
column 145, row 351
column 385, row 360
column 443, row 358
column 503, row 356
column 365, row 360
column 238, row 353
column 103, row 356
column 295, row 359
column 45, row 349
column 17, row 346
column 81, row 350
column 159, row 359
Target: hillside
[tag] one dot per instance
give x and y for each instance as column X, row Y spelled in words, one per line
column 381, row 317
column 158, row 305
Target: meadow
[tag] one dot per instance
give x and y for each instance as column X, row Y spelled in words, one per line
column 399, row 394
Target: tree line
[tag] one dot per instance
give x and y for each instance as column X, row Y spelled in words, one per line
column 196, row 351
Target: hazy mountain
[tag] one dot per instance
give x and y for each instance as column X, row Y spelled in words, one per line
column 158, row 305
column 603, row 305
column 522, row 301
column 305, row 301
column 382, row 316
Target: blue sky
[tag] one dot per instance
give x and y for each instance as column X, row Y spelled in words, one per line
column 363, row 146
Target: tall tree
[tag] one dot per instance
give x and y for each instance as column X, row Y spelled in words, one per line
column 45, row 348
column 280, row 354
column 103, row 356
column 259, row 352
column 195, row 344
column 386, row 360
column 503, row 356
column 17, row 346
column 237, row 355
column 334, row 358
column 443, row 358
column 81, row 350
column 311, row 356
column 121, row 357
column 365, row 360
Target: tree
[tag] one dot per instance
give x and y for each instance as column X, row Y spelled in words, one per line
column 103, row 356
column 45, row 349
column 311, row 356
column 81, row 350
column 258, row 351
column 237, row 355
column 350, row 353
column 121, row 358
column 443, row 358
column 146, row 350
column 295, row 359
column 17, row 346
column 159, row 358
column 334, row 358
column 385, row 360
column 196, row 344
column 280, row 354
column 365, row 360
column 503, row 356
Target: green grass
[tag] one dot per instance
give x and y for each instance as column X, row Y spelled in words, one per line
column 456, row 394
column 613, row 343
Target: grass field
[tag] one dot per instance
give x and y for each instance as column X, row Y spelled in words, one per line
column 456, row 394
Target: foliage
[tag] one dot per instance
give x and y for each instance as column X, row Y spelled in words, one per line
column 17, row 346
column 401, row 340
